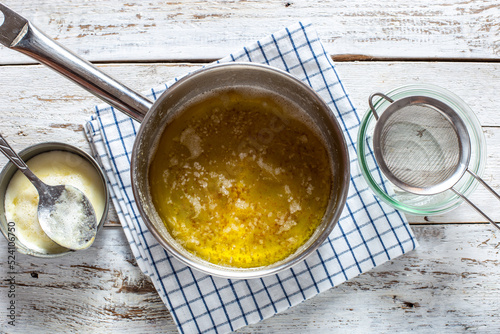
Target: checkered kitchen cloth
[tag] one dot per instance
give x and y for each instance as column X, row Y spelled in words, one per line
column 368, row 234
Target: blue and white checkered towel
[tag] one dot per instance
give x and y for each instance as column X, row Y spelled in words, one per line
column 368, row 234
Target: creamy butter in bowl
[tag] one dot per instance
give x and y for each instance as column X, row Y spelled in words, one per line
column 54, row 163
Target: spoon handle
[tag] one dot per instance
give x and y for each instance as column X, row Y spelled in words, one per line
column 7, row 150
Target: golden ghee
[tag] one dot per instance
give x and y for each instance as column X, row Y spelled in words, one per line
column 238, row 181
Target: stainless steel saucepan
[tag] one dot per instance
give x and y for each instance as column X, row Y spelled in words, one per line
column 19, row 34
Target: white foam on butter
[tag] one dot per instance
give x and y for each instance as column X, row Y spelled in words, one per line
column 192, row 141
column 69, row 224
column 53, row 168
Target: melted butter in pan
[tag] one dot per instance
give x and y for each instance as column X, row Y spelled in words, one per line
column 237, row 182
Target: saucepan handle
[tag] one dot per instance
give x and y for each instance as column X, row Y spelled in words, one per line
column 19, row 34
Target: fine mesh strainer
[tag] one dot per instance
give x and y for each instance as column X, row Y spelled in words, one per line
column 422, row 146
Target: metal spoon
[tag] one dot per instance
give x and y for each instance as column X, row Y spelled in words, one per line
column 64, row 212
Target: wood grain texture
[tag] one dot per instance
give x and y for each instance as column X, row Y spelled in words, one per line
column 43, row 106
column 450, row 284
column 442, row 287
column 111, row 30
column 98, row 290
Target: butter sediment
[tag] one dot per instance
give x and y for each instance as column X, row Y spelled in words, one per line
column 238, row 182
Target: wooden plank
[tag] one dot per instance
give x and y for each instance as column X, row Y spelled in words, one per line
column 39, row 105
column 111, row 30
column 100, row 290
column 38, row 102
column 42, row 105
column 450, row 284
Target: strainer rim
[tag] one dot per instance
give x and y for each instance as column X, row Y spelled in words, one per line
column 457, row 124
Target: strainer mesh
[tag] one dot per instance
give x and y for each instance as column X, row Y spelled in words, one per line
column 420, row 146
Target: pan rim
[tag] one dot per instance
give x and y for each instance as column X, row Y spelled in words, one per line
column 255, row 272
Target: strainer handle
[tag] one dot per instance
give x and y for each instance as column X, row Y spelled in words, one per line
column 473, row 205
column 372, row 107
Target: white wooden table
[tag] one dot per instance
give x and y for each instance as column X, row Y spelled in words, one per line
column 450, row 284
